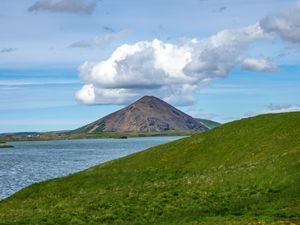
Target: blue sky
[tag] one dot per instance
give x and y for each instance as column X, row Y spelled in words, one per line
column 42, row 51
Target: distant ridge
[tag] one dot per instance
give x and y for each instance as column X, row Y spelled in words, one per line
column 147, row 114
column 209, row 123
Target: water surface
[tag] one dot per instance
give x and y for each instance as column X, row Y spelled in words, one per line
column 31, row 162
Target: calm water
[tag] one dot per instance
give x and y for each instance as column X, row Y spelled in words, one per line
column 31, row 162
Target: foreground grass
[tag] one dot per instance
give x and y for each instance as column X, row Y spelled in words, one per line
column 245, row 172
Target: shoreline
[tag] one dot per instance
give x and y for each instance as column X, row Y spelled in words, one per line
column 74, row 136
column 6, row 146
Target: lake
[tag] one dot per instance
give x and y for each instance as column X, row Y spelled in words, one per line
column 31, row 162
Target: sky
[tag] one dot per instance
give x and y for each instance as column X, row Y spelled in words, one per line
column 65, row 63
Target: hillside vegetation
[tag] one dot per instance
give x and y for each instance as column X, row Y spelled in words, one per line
column 70, row 135
column 4, row 145
column 244, row 172
column 209, row 123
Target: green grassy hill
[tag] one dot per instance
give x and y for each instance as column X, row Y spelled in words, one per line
column 244, row 172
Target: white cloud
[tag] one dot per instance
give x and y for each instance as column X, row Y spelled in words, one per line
column 86, row 94
column 261, row 65
column 281, row 108
column 7, row 50
column 274, row 108
column 101, row 41
column 24, row 82
column 173, row 71
column 89, row 95
column 285, row 25
column 71, row 6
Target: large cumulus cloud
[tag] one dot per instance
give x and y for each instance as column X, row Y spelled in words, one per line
column 172, row 71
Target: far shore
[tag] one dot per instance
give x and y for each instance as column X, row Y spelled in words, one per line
column 51, row 136
column 6, row 146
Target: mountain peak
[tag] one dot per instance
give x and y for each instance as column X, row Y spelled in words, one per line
column 148, row 98
column 149, row 113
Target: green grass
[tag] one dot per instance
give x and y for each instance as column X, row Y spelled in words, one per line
column 87, row 128
column 101, row 127
column 245, row 172
column 83, row 135
column 6, row 146
column 209, row 123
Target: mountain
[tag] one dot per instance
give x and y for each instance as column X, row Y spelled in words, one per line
column 209, row 123
column 244, row 172
column 147, row 114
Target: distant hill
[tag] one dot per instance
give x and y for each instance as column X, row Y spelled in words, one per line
column 148, row 114
column 244, row 172
column 209, row 123
column 20, row 134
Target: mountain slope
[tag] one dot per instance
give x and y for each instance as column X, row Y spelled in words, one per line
column 209, row 123
column 147, row 114
column 244, row 172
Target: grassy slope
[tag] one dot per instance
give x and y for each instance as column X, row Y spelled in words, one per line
column 241, row 172
column 209, row 123
column 87, row 128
